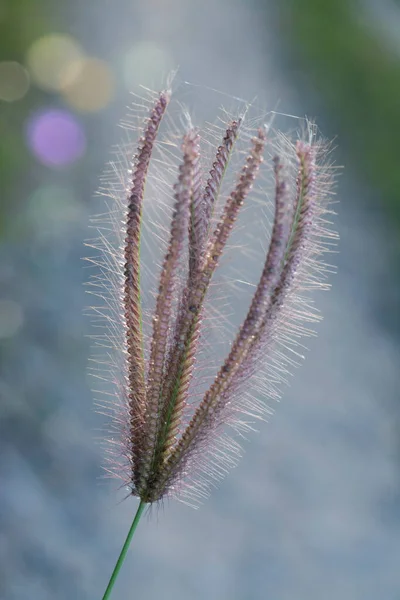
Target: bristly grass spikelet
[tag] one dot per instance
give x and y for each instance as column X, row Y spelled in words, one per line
column 177, row 414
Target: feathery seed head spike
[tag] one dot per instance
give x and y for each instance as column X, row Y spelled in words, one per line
column 234, row 203
column 197, row 225
column 218, row 169
column 155, row 399
column 132, row 299
column 172, row 433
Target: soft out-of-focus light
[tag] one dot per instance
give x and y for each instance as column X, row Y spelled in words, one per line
column 14, row 81
column 55, row 137
column 87, row 84
column 49, row 57
column 52, row 209
column 11, row 318
column 146, row 63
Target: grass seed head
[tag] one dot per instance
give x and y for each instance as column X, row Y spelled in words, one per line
column 171, row 426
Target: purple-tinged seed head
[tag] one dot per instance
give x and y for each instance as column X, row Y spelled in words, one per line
column 163, row 448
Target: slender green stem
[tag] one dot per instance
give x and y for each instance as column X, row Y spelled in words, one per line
column 124, row 550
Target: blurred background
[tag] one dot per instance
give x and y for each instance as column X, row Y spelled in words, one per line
column 313, row 510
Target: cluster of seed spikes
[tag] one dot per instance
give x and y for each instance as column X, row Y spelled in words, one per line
column 160, row 448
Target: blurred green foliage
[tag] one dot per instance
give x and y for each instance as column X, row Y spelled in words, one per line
column 21, row 22
column 358, row 76
column 355, row 72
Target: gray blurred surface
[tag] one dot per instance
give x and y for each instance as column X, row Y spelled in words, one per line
column 312, row 511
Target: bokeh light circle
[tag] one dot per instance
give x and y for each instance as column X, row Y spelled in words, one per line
column 14, row 81
column 146, row 63
column 49, row 57
column 56, row 137
column 87, row 84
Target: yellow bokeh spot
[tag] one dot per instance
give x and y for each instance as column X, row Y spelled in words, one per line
column 14, row 81
column 88, row 84
column 49, row 58
column 146, row 63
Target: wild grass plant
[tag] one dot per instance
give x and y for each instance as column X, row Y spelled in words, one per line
column 179, row 415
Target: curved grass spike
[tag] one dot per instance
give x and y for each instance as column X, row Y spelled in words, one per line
column 231, row 210
column 162, row 452
column 218, row 171
column 132, row 300
column 196, row 222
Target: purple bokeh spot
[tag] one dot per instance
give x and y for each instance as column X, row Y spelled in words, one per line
column 55, row 137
